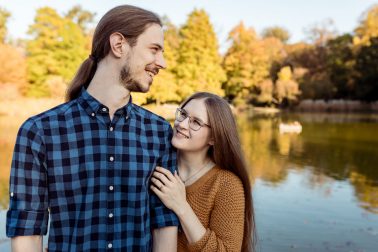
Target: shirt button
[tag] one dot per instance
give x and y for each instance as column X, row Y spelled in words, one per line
column 104, row 109
column 111, row 188
column 127, row 117
column 111, row 158
column 111, row 128
column 110, row 245
column 111, row 215
column 12, row 194
column 93, row 114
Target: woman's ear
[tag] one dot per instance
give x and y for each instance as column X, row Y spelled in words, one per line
column 211, row 142
column 118, row 44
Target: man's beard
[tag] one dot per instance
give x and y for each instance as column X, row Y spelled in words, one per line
column 128, row 81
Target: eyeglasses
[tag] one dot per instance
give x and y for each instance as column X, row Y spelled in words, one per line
column 194, row 123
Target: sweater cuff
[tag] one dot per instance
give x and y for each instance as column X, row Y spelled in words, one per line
column 200, row 244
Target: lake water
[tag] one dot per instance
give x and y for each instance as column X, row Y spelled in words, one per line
column 313, row 191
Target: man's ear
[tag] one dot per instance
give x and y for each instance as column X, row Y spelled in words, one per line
column 118, row 44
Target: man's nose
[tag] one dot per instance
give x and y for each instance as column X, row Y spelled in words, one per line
column 160, row 61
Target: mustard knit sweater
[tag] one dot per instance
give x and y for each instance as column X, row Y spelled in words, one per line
column 217, row 198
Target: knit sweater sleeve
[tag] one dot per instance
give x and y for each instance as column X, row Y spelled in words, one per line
column 225, row 232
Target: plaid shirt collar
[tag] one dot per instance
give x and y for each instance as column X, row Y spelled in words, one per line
column 93, row 107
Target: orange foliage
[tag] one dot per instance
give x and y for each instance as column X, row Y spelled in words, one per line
column 13, row 66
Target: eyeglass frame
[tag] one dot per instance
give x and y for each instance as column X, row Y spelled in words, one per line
column 191, row 119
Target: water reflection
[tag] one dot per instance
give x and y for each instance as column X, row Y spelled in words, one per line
column 341, row 147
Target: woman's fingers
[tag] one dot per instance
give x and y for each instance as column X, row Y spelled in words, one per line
column 158, row 184
column 162, row 177
column 166, row 172
column 156, row 191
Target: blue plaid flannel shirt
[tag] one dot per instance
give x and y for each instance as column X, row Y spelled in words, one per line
column 91, row 175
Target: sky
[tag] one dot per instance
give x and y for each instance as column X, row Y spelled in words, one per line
column 294, row 15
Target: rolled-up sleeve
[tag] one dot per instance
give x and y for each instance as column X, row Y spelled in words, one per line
column 161, row 216
column 28, row 190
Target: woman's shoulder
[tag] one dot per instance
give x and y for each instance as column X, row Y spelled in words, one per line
column 229, row 180
column 230, row 193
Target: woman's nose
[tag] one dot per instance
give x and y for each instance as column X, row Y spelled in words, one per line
column 184, row 123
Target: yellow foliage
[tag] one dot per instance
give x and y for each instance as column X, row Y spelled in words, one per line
column 285, row 74
column 368, row 27
column 139, row 98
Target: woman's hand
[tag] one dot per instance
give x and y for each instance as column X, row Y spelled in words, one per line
column 169, row 188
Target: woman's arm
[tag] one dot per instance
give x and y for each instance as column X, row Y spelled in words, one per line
column 165, row 239
column 225, row 232
column 171, row 191
column 226, row 227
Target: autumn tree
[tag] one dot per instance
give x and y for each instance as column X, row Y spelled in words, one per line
column 368, row 27
column 199, row 63
column 265, row 53
column 13, row 67
column 286, row 89
column 311, row 61
column 340, row 63
column 276, row 32
column 238, row 64
column 247, row 63
column 84, row 19
column 366, row 67
column 57, row 48
column 4, row 16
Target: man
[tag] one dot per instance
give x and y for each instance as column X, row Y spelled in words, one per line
column 88, row 162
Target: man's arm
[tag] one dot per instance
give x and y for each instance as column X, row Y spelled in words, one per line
column 31, row 243
column 165, row 239
column 28, row 190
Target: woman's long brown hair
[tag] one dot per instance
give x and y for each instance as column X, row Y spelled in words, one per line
column 128, row 20
column 227, row 154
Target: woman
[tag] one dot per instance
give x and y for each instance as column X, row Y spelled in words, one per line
column 212, row 194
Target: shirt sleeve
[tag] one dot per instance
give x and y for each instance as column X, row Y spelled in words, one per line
column 226, row 228
column 161, row 216
column 28, row 204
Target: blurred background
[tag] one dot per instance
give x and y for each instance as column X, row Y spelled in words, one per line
column 302, row 78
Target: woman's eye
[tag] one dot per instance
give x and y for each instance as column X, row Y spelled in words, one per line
column 197, row 123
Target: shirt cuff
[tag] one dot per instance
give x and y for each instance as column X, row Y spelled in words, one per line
column 23, row 223
column 163, row 217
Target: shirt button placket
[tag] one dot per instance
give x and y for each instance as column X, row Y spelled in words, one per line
column 111, row 169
